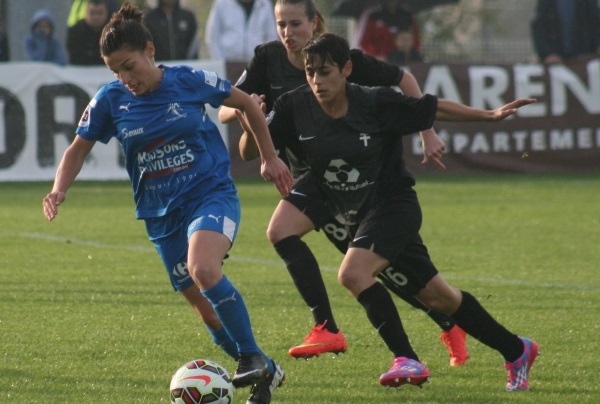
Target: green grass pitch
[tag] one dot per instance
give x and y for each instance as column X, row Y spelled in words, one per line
column 87, row 314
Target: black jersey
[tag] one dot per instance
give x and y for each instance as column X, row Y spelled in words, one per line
column 350, row 157
column 271, row 73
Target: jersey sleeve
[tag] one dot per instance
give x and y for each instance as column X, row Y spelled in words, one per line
column 212, row 88
column 254, row 79
column 402, row 114
column 368, row 71
column 96, row 122
column 281, row 123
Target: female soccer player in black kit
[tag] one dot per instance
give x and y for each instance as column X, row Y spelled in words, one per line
column 276, row 68
column 334, row 127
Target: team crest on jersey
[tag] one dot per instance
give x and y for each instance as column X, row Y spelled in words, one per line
column 175, row 112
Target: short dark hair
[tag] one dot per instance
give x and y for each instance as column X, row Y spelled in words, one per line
column 327, row 48
column 125, row 28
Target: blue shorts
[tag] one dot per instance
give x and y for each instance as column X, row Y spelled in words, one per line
column 218, row 212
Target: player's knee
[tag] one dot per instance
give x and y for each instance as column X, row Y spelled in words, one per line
column 350, row 280
column 204, row 275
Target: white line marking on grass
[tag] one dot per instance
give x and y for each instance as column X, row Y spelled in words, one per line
column 275, row 263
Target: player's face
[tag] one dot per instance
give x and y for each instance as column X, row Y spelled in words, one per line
column 327, row 81
column 135, row 69
column 293, row 26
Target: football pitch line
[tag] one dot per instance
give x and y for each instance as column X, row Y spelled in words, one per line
column 277, row 263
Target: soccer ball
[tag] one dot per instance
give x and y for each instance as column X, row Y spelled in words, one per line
column 201, row 381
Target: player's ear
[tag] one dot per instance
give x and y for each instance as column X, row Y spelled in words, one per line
column 150, row 51
column 347, row 69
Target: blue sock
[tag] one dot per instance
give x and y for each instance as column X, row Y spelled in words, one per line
column 221, row 338
column 233, row 314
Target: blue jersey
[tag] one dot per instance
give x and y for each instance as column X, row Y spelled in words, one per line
column 174, row 152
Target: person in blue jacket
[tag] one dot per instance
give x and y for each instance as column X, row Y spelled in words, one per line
column 41, row 44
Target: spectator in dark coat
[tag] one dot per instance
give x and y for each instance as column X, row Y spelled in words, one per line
column 83, row 38
column 174, row 31
column 565, row 29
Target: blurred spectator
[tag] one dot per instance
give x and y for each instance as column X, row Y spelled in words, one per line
column 40, row 43
column 174, row 31
column 83, row 38
column 236, row 27
column 404, row 51
column 4, row 49
column 79, row 9
column 565, row 29
column 377, row 28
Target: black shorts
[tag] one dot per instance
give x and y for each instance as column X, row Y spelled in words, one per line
column 305, row 196
column 391, row 230
column 399, row 241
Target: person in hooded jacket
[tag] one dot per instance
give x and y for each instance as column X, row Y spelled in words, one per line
column 41, row 44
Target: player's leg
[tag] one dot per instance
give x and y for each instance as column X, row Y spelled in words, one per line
column 293, row 218
column 208, row 315
column 170, row 240
column 212, row 228
column 416, row 256
column 357, row 273
column 519, row 353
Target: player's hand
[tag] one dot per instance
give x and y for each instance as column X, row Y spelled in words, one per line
column 433, row 148
column 274, row 170
column 260, row 100
column 509, row 109
column 51, row 203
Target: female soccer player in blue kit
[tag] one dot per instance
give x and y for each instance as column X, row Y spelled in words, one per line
column 330, row 123
column 276, row 68
column 179, row 169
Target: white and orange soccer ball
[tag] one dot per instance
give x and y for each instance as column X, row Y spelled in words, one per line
column 201, row 381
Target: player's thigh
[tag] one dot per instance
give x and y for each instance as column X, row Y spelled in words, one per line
column 212, row 229
column 288, row 220
column 170, row 240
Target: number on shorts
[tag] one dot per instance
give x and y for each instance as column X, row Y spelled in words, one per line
column 395, row 277
column 339, row 233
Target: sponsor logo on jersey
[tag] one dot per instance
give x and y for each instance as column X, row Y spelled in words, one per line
column 341, row 176
column 130, row 133
column 124, row 107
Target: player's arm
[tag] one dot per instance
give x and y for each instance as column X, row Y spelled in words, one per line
column 227, row 114
column 456, row 112
column 433, row 146
column 272, row 167
column 67, row 171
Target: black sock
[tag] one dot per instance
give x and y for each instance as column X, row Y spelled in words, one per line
column 304, row 270
column 444, row 321
column 382, row 313
column 478, row 323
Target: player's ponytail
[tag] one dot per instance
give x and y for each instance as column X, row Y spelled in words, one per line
column 125, row 28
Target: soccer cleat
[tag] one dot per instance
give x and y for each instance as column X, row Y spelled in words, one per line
column 251, row 369
column 405, row 371
column 318, row 342
column 454, row 340
column 518, row 371
column 261, row 391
